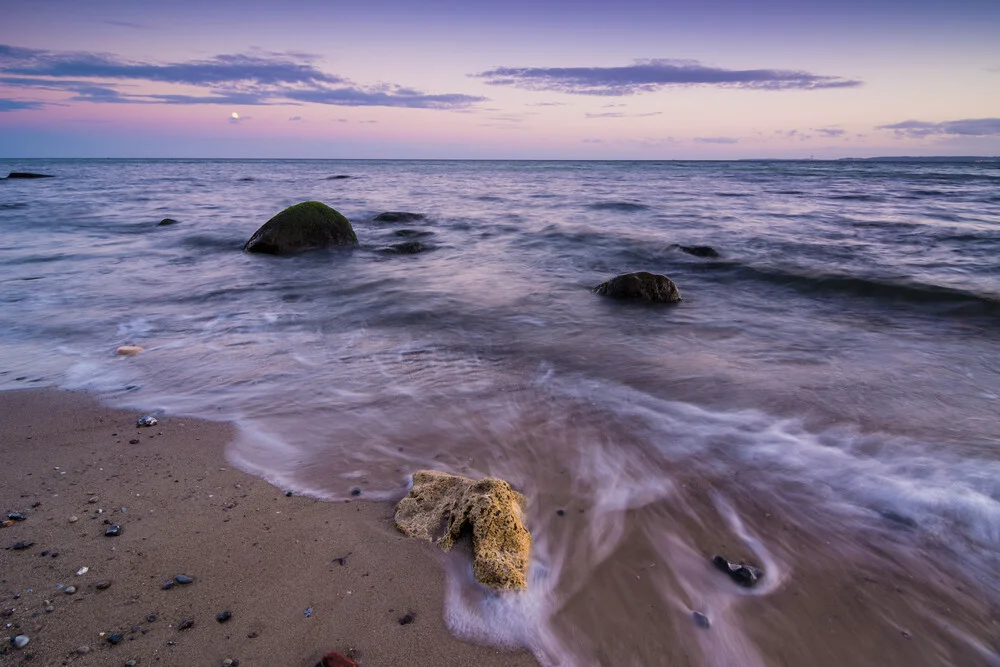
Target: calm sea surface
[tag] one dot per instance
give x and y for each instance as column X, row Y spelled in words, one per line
column 843, row 352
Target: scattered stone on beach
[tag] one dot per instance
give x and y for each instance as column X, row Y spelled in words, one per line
column 82, row 650
column 223, row 616
column 183, row 579
column 701, row 620
column 128, row 350
column 640, row 286
column 114, row 530
column 114, row 638
column 27, row 174
column 16, row 516
column 335, row 659
column 20, row 641
column 185, row 624
column 167, row 585
column 8, row 523
column 406, row 619
column 134, row 441
column 166, row 222
column 699, row 250
column 306, row 226
column 103, row 585
column 745, row 575
column 82, row 571
column 146, row 421
column 399, row 216
column 355, row 492
column 21, row 546
column 308, row 612
column 69, row 590
column 449, row 503
column 74, row 519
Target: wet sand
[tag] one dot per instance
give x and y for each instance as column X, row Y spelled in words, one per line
column 264, row 557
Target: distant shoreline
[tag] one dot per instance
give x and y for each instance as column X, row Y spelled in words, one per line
column 886, row 158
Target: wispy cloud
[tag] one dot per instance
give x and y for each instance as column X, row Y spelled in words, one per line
column 128, row 24
column 622, row 114
column 295, row 118
column 969, row 127
column 246, row 79
column 17, row 105
column 546, row 104
column 716, row 140
column 830, row 132
column 650, row 75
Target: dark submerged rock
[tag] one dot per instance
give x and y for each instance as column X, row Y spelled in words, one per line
column 399, row 216
column 166, row 222
column 337, row 177
column 413, row 233
column 640, row 286
column 700, row 250
column 404, row 248
column 306, row 226
column 747, row 576
column 27, row 174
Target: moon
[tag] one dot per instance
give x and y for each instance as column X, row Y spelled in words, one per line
column 235, row 116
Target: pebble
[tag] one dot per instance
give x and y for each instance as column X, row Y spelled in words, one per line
column 145, row 421
column 131, row 663
column 288, row 494
column 134, row 441
column 92, row 501
column 69, row 590
column 151, row 618
column 701, row 620
column 744, row 575
column 82, row 571
column 406, row 619
column 185, row 624
column 49, row 609
column 561, row 512
column 167, row 586
column 308, row 612
column 83, row 650
column 114, row 638
column 21, row 546
column 20, row 641
column 355, row 491
column 223, row 616
column 183, row 579
column 114, row 530
column 16, row 516
column 102, row 585
column 74, row 519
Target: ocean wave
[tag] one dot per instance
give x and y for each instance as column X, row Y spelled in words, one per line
column 622, row 206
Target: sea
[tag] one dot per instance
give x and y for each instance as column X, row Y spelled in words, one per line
column 837, row 364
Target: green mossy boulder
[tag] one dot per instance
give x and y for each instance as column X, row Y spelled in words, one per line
column 440, row 507
column 640, row 286
column 306, row 226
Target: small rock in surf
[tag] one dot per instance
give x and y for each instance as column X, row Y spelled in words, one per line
column 640, row 286
column 745, row 575
column 700, row 250
column 399, row 216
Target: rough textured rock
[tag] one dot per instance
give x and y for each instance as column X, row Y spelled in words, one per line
column 440, row 507
column 399, row 216
column 743, row 574
column 699, row 250
column 27, row 174
column 641, row 286
column 306, row 226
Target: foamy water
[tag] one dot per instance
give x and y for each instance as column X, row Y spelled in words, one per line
column 838, row 365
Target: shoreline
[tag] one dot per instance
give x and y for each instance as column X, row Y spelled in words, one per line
column 264, row 557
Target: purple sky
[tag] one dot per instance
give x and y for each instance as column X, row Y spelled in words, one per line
column 515, row 79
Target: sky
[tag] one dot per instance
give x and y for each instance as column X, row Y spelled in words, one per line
column 518, row 79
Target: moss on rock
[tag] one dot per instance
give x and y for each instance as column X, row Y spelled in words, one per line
column 440, row 507
column 306, row 226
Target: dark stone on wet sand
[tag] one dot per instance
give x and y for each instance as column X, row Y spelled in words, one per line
column 168, row 585
column 114, row 638
column 21, row 546
column 166, row 222
column 701, row 620
column 183, row 579
column 399, row 216
column 699, row 250
column 16, row 516
column 114, row 530
column 102, row 585
column 406, row 619
column 310, row 225
column 745, row 575
column 27, row 174
column 223, row 616
column 185, row 624
column 640, row 286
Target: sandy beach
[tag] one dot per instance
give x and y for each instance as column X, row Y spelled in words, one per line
column 299, row 577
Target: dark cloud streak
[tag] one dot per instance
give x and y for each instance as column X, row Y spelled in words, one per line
column 650, row 75
column 969, row 127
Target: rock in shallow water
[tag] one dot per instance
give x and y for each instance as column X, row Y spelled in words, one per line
column 699, row 250
column 500, row 542
column 399, row 216
column 306, row 226
column 27, row 174
column 747, row 576
column 640, row 286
